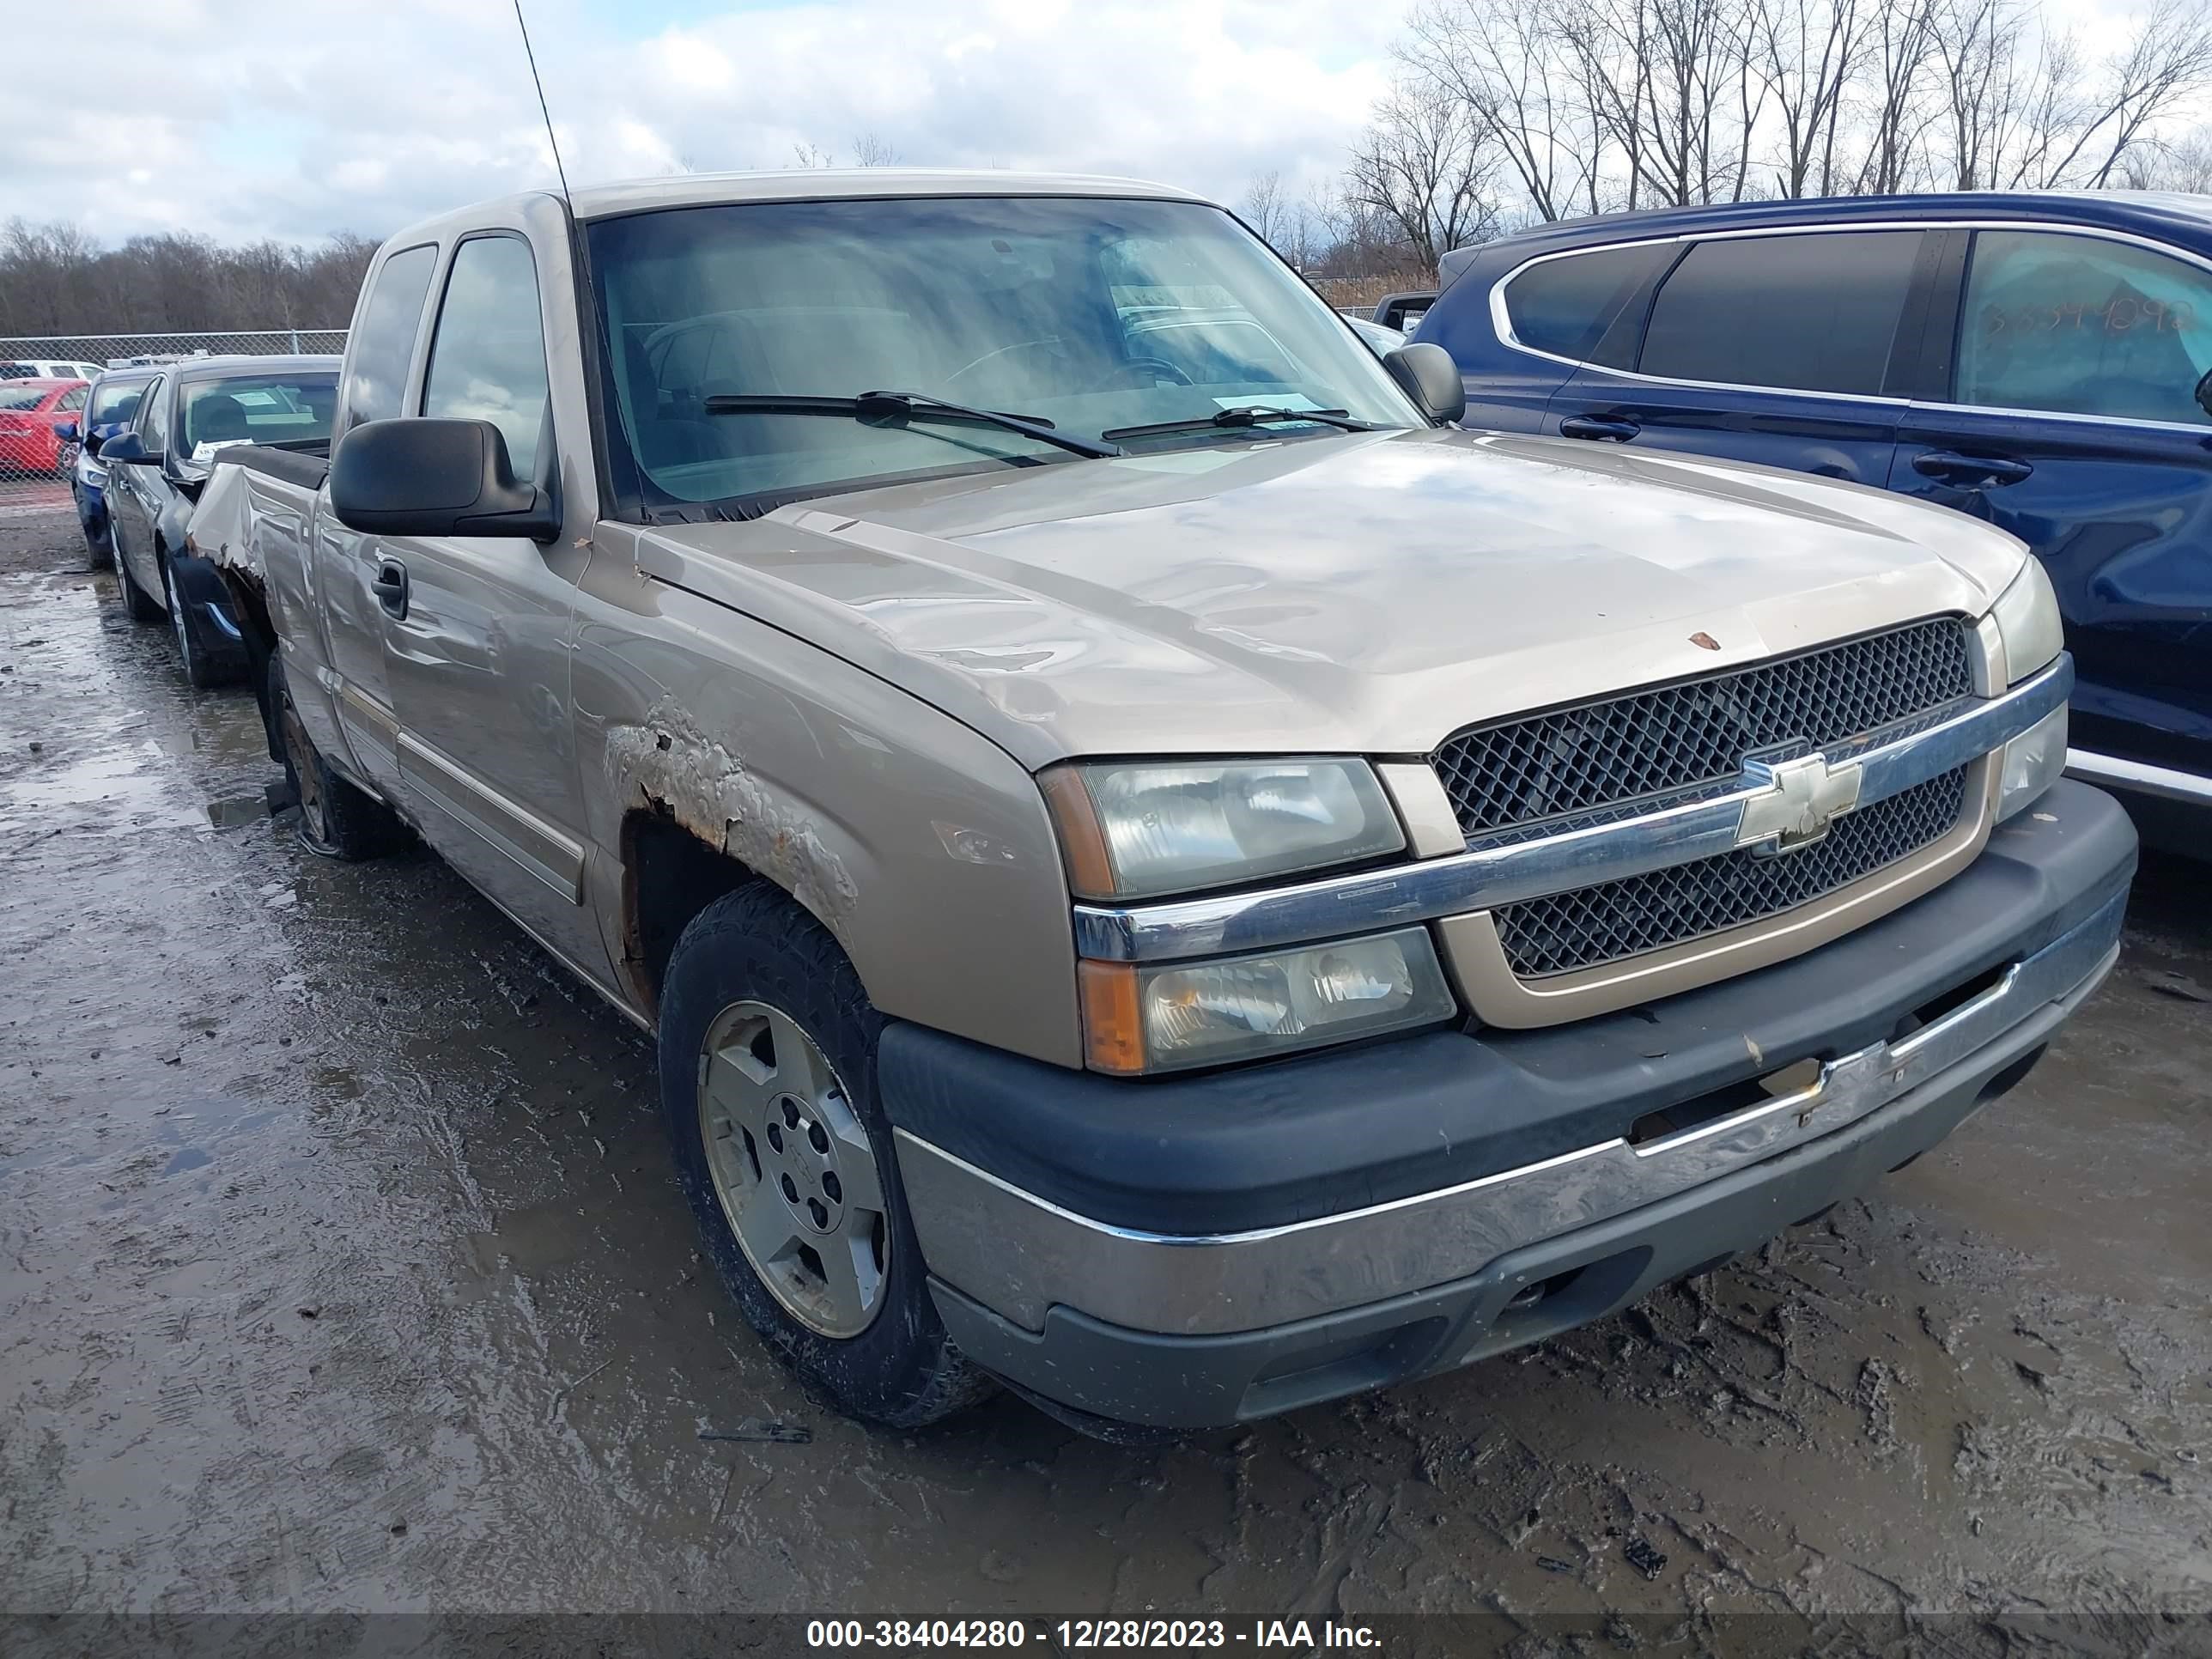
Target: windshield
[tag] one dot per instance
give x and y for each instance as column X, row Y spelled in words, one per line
column 266, row 410
column 114, row 404
column 1091, row 315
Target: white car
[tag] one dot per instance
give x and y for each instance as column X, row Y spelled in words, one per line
column 47, row 368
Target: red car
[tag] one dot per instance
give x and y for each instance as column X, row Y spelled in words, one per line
column 29, row 412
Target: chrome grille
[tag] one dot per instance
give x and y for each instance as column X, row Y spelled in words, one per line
column 1650, row 748
column 1615, row 920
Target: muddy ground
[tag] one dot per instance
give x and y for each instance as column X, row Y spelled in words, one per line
column 341, row 1268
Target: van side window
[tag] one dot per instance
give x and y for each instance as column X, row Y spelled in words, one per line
column 376, row 363
column 2084, row 327
column 1569, row 306
column 488, row 358
column 1815, row 313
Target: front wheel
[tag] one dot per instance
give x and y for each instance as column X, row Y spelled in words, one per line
column 768, row 1078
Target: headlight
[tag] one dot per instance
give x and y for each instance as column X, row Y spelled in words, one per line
column 2031, row 762
column 2026, row 615
column 1138, row 830
column 1172, row 1015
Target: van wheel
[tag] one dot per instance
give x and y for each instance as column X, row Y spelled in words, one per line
column 202, row 667
column 141, row 608
column 337, row 820
column 768, row 1077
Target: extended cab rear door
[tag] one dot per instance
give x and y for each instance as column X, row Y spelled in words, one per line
column 1778, row 346
column 355, row 680
column 2062, row 408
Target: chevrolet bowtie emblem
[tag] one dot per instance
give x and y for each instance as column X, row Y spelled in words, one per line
column 1802, row 797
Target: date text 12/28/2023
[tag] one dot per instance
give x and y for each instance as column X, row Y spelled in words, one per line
column 1067, row 1634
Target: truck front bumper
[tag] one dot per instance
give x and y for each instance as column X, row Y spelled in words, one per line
column 1164, row 1254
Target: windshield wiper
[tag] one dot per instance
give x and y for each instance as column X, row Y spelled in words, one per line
column 1262, row 415
column 895, row 409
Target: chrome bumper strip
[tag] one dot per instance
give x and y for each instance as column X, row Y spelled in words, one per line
column 1487, row 877
column 2167, row 782
column 1020, row 1254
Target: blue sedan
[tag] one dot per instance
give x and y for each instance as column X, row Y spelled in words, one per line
column 109, row 409
column 2040, row 361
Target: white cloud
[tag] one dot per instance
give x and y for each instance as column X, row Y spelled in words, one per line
column 277, row 119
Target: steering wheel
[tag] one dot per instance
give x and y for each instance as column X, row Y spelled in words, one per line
column 1156, row 367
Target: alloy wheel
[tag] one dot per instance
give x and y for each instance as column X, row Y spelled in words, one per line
column 793, row 1169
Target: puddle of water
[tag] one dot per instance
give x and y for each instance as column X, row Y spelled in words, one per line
column 229, row 813
column 124, row 789
column 190, row 1158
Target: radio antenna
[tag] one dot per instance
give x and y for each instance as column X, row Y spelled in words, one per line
column 551, row 138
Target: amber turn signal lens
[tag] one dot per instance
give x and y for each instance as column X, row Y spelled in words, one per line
column 1113, row 1035
column 1082, row 843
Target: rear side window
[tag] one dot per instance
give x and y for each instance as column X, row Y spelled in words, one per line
column 1816, row 314
column 487, row 360
column 376, row 369
column 1568, row 306
column 2085, row 326
column 73, row 398
column 154, row 419
column 112, row 404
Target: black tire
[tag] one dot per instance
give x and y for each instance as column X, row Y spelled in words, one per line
column 337, row 820
column 758, row 946
column 203, row 667
column 135, row 600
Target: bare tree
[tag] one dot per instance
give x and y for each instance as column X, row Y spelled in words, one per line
column 2185, row 164
column 1423, row 166
column 1262, row 207
column 1805, row 53
column 1669, row 82
column 2169, row 58
column 1501, row 59
column 809, row 156
column 1896, row 48
column 869, row 151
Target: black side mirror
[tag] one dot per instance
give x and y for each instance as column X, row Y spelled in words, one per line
column 2204, row 393
column 421, row 476
column 129, row 449
column 1427, row 375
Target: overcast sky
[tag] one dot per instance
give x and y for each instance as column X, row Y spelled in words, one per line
column 294, row 119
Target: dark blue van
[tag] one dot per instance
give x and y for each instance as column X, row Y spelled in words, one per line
column 2033, row 360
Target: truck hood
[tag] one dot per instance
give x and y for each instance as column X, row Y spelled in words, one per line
column 1367, row 593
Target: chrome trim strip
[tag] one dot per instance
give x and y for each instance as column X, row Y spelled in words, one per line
column 1486, row 877
column 2115, row 773
column 1501, row 319
column 375, row 717
column 554, row 859
column 1021, row 1255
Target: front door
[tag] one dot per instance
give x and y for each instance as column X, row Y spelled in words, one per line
column 479, row 660
column 1775, row 349
column 2072, row 423
column 130, row 526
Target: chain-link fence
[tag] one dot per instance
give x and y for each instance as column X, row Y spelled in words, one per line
column 42, row 388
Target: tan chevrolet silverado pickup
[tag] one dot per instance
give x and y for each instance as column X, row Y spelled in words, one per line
column 1165, row 874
